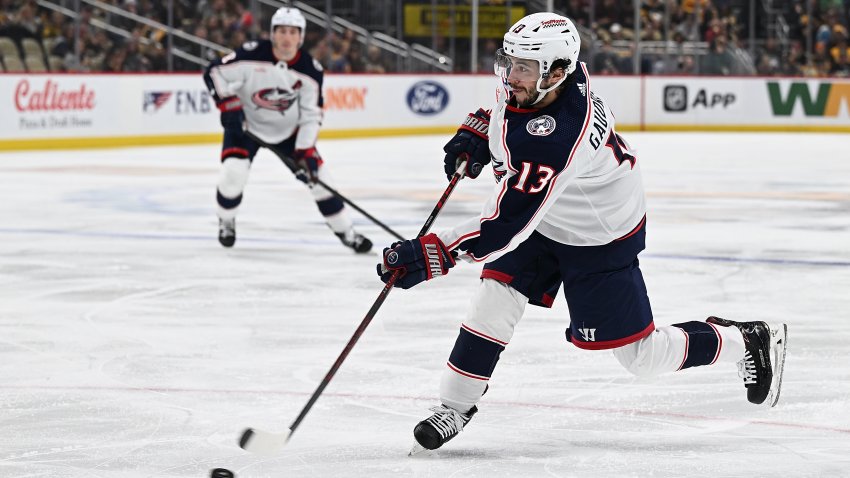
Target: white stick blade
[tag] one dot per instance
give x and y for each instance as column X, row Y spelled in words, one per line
column 263, row 443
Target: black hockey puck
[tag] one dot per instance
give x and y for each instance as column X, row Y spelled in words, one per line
column 221, row 473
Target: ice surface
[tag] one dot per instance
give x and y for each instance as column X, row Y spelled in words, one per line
column 133, row 345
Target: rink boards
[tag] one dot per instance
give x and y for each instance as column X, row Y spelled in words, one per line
column 44, row 111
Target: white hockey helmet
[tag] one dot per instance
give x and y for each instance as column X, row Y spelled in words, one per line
column 544, row 37
column 291, row 17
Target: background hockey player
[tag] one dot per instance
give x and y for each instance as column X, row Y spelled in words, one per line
column 568, row 207
column 274, row 89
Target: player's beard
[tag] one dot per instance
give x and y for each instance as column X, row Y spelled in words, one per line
column 530, row 95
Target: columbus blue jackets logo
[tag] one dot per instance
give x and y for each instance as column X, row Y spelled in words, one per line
column 541, row 126
column 275, row 99
column 154, row 100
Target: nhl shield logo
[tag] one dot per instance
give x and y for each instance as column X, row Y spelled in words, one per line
column 542, row 126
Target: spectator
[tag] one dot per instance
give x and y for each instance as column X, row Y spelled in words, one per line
column 688, row 29
column 95, row 50
column 841, row 65
column 338, row 61
column 115, row 60
column 488, row 56
column 126, row 23
column 718, row 61
column 616, row 32
column 27, row 19
column 840, row 48
column 793, row 61
column 606, row 61
column 321, row 52
column 692, row 22
column 135, row 60
column 157, row 57
column 374, row 61
column 237, row 39
column 687, row 65
column 355, row 58
column 202, row 51
column 609, row 12
column 768, row 59
column 52, row 24
column 64, row 45
column 651, row 28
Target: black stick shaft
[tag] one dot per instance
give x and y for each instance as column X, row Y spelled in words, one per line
column 375, row 306
column 294, row 168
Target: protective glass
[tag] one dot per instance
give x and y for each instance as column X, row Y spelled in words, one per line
column 522, row 70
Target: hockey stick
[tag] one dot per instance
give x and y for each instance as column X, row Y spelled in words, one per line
column 296, row 170
column 263, row 442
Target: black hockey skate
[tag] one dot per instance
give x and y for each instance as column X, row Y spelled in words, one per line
column 764, row 359
column 227, row 232
column 442, row 426
column 356, row 241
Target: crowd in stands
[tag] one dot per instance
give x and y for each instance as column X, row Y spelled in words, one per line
column 224, row 22
column 708, row 37
column 723, row 26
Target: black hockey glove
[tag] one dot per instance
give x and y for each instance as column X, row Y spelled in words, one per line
column 308, row 162
column 470, row 143
column 418, row 260
column 232, row 116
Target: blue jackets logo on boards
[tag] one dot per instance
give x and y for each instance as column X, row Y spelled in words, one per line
column 427, row 98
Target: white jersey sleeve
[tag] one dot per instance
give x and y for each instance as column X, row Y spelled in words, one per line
column 310, row 110
column 565, row 173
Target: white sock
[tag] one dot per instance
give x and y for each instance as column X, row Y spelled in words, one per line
column 341, row 223
column 731, row 343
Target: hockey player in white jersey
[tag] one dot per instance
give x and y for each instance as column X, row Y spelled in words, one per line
column 273, row 88
column 568, row 208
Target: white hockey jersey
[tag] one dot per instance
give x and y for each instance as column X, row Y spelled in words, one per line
column 562, row 170
column 279, row 98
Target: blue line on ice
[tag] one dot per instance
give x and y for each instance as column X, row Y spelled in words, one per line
column 211, row 238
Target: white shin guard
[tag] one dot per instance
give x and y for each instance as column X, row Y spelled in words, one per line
column 667, row 347
column 320, row 193
column 232, row 178
column 340, row 223
column 493, row 314
column 659, row 352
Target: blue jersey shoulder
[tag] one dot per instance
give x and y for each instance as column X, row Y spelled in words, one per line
column 250, row 51
column 549, row 134
column 255, row 51
column 306, row 64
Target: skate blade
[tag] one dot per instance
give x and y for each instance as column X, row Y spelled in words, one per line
column 417, row 449
column 781, row 345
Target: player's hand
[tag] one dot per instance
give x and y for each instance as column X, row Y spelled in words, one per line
column 470, row 143
column 418, row 260
column 308, row 162
column 232, row 116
